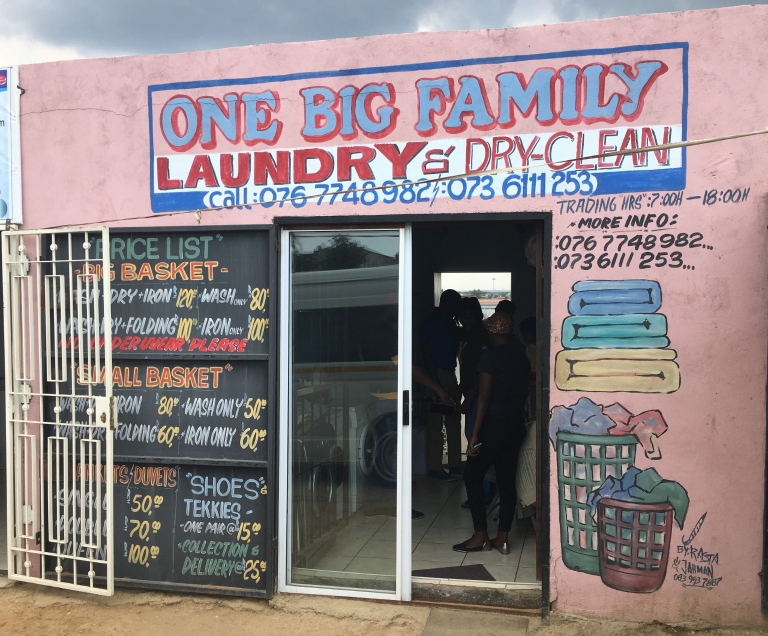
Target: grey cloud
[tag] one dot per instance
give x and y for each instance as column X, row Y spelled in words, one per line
column 465, row 14
column 115, row 27
column 168, row 26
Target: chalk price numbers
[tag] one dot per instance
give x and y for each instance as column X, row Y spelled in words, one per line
column 167, row 434
column 248, row 438
column 258, row 302
column 256, row 329
column 142, row 529
column 253, row 567
column 257, row 298
column 619, row 250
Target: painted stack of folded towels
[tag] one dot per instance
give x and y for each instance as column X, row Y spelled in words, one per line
column 615, row 341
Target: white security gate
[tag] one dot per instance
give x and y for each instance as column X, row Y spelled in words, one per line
column 60, row 414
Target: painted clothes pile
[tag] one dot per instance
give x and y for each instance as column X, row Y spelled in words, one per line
column 642, row 486
column 587, row 418
column 615, row 341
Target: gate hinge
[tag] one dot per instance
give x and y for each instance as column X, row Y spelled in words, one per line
column 27, row 514
column 274, row 545
column 277, row 246
column 112, row 413
column 106, row 411
column 22, row 265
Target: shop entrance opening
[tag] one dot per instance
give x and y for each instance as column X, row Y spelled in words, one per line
column 363, row 511
column 492, row 265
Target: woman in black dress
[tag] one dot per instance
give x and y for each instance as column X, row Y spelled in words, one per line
column 498, row 432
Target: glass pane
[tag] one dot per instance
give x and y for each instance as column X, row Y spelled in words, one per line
column 344, row 433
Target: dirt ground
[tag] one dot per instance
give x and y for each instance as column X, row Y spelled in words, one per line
column 39, row 611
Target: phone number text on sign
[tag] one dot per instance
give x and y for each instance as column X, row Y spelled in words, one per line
column 407, row 192
column 612, row 251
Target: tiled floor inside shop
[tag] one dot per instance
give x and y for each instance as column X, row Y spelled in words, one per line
column 367, row 544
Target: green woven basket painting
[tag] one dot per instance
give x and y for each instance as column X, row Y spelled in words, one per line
column 583, row 463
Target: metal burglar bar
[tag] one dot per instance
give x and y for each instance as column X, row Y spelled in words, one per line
column 60, row 414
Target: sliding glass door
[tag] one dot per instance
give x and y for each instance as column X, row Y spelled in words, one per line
column 345, row 380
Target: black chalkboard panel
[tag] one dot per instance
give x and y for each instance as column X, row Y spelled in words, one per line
column 191, row 376
column 180, row 293
column 197, row 525
column 203, row 409
column 197, row 409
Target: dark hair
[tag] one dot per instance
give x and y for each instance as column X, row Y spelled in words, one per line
column 507, row 307
column 528, row 324
column 450, row 299
column 472, row 305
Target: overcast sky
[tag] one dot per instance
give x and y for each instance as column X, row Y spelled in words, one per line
column 45, row 30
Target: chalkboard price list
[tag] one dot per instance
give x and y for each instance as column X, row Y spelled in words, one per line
column 189, row 410
column 198, row 525
column 145, row 497
column 190, row 294
column 141, row 529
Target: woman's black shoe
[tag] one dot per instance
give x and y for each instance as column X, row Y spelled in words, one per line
column 462, row 547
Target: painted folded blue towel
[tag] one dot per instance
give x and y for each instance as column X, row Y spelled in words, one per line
column 602, row 297
column 628, row 331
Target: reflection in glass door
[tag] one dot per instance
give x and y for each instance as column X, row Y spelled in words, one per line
column 342, row 405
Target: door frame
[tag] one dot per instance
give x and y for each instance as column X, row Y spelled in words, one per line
column 403, row 537
column 543, row 335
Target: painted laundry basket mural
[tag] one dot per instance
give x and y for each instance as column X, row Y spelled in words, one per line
column 615, row 520
column 615, row 341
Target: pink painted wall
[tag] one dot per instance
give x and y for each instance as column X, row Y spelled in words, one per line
column 85, row 156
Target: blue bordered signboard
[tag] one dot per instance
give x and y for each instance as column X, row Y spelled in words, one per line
column 349, row 136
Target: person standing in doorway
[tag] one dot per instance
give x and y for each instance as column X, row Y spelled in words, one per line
column 439, row 347
column 473, row 340
column 528, row 331
column 497, row 434
column 507, row 307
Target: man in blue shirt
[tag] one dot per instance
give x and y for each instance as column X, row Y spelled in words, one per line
column 439, row 347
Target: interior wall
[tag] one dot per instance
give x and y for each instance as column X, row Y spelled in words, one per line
column 466, row 246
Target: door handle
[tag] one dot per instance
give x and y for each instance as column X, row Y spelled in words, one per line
column 406, row 408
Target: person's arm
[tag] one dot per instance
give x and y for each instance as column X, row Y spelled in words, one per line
column 485, row 383
column 469, row 398
column 422, row 378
